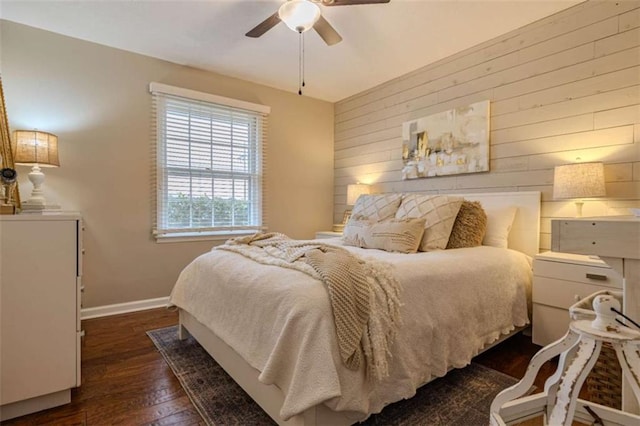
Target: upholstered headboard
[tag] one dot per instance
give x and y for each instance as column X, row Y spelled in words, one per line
column 525, row 231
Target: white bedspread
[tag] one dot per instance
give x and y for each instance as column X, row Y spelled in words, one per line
column 279, row 320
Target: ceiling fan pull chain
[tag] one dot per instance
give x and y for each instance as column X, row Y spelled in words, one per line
column 302, row 59
column 300, row 65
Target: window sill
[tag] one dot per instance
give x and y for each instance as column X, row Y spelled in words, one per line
column 187, row 237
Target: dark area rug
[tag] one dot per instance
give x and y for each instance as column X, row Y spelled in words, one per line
column 461, row 398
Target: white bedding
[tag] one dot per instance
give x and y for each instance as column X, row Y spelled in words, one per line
column 279, row 320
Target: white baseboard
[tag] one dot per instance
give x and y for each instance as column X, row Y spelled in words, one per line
column 123, row 308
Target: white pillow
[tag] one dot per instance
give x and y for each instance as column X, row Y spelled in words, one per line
column 439, row 212
column 399, row 235
column 499, row 222
column 376, row 206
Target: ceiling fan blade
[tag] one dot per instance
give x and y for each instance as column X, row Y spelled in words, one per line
column 326, row 31
column 351, row 2
column 264, row 26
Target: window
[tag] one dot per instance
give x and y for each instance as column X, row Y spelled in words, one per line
column 208, row 164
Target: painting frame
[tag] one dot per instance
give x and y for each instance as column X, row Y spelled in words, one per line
column 451, row 142
column 6, row 159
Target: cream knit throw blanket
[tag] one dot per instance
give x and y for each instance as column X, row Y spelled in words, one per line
column 364, row 295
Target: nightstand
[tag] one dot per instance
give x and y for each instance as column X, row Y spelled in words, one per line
column 327, row 234
column 41, row 287
column 559, row 281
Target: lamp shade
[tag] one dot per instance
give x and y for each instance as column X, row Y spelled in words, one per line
column 579, row 180
column 355, row 190
column 34, row 147
column 299, row 15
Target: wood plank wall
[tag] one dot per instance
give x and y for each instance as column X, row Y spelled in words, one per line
column 562, row 88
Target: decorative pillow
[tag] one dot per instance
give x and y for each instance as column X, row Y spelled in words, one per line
column 401, row 235
column 439, row 212
column 469, row 227
column 499, row 222
column 376, row 206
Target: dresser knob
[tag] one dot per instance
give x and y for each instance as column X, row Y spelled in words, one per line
column 577, row 297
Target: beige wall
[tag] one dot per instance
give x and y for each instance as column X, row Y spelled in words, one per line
column 96, row 100
column 563, row 87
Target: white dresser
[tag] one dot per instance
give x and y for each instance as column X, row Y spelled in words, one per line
column 40, row 294
column 559, row 281
column 616, row 239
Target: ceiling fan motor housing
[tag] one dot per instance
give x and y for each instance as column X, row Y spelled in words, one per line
column 299, row 15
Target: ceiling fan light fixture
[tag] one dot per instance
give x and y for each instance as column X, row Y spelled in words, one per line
column 299, row 15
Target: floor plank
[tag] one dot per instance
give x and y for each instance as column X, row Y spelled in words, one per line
column 126, row 381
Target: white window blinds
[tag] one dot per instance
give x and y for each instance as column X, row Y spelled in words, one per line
column 208, row 165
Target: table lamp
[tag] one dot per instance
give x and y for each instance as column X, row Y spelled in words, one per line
column 39, row 149
column 577, row 181
column 354, row 190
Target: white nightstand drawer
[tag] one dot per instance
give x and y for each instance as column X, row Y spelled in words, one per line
column 549, row 324
column 562, row 294
column 579, row 273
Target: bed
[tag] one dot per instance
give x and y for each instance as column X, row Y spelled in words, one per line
column 282, row 349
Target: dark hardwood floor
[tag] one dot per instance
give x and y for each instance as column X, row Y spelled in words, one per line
column 126, row 381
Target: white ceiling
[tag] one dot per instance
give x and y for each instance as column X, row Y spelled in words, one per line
column 380, row 41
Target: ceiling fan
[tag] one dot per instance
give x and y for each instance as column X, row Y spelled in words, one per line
column 302, row 15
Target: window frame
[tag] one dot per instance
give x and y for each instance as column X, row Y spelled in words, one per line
column 161, row 171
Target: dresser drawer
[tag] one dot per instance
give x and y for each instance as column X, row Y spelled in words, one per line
column 561, row 294
column 613, row 238
column 579, row 273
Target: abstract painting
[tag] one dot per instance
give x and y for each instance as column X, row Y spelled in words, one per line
column 447, row 143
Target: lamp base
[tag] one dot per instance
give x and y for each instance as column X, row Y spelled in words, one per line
column 37, row 202
column 28, row 207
